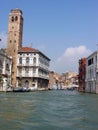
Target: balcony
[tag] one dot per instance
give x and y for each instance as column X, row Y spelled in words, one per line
column 44, row 66
column 44, row 76
column 28, row 75
column 26, row 64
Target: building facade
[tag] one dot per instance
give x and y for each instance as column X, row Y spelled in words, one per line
column 82, row 74
column 54, row 80
column 5, row 70
column 14, row 40
column 92, row 73
column 69, row 78
column 32, row 68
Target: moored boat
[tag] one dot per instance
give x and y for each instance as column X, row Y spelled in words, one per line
column 21, row 89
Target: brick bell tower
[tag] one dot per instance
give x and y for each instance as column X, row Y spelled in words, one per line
column 14, row 40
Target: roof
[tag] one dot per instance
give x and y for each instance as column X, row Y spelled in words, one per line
column 92, row 54
column 16, row 10
column 29, row 49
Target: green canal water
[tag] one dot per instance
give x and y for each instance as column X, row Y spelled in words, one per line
column 48, row 110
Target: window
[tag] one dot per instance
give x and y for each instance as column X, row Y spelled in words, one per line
column 19, row 84
column 27, row 70
column 90, row 61
column 20, row 70
column 7, row 67
column 27, row 60
column 96, row 59
column 16, row 18
column 34, row 70
column 20, row 60
column 34, row 60
column 26, row 83
column 12, row 19
column 10, row 41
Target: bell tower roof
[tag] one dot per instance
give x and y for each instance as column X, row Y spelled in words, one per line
column 16, row 10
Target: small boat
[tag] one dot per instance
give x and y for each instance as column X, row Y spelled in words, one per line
column 21, row 89
column 71, row 89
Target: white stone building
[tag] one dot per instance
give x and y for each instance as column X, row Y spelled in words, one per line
column 5, row 70
column 32, row 68
column 92, row 73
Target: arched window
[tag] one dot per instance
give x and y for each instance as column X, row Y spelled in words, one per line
column 34, row 70
column 19, row 84
column 27, row 60
column 10, row 41
column 16, row 18
column 34, row 60
column 7, row 67
column 12, row 19
column 27, row 70
column 20, row 60
column 26, row 83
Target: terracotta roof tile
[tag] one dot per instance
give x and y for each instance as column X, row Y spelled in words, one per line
column 28, row 49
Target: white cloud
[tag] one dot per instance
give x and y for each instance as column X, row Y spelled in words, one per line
column 3, row 37
column 68, row 61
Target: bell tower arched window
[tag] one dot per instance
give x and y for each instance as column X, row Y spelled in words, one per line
column 16, row 18
column 12, row 19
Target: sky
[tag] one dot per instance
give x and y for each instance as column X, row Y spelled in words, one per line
column 64, row 30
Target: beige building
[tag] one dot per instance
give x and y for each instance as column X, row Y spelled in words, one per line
column 14, row 40
column 68, row 78
column 54, row 80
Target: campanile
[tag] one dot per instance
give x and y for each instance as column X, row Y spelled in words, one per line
column 14, row 40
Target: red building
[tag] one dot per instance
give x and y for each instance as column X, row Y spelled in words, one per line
column 82, row 74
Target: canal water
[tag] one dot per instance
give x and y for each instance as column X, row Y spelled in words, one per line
column 48, row 110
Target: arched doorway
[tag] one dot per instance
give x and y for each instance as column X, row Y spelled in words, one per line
column 27, row 83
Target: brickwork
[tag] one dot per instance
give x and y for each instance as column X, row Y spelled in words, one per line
column 82, row 74
column 14, row 41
